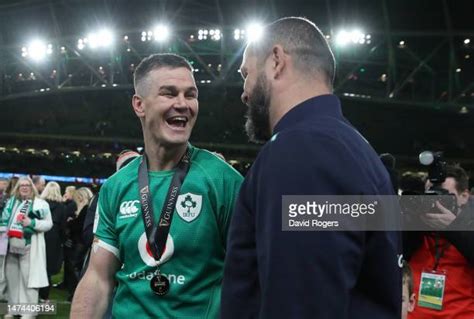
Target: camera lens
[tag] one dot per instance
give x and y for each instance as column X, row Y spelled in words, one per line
column 426, row 158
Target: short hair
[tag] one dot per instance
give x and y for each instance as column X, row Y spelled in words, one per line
column 303, row 40
column 125, row 157
column 52, row 192
column 407, row 277
column 157, row 61
column 459, row 175
column 388, row 160
column 412, row 183
column 36, row 178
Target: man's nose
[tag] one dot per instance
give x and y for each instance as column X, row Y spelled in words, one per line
column 180, row 102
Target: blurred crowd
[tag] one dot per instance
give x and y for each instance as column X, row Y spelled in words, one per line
column 44, row 229
column 41, row 232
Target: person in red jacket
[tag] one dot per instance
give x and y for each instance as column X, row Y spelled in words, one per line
column 443, row 261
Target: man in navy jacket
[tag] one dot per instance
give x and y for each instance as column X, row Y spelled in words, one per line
column 311, row 149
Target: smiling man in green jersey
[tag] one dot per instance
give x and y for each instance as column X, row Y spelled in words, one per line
column 162, row 220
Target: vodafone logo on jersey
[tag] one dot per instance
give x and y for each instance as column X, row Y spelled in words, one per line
column 145, row 252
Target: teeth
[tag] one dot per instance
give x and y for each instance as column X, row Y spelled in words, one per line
column 178, row 118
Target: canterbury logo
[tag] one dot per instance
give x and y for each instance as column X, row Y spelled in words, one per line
column 129, row 207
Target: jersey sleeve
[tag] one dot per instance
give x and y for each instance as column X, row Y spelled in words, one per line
column 104, row 223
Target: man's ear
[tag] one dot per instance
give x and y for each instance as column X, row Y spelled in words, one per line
column 279, row 61
column 464, row 197
column 138, row 105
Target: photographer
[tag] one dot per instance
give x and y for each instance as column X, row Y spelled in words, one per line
column 445, row 258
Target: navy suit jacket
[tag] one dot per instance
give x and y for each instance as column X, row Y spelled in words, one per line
column 270, row 273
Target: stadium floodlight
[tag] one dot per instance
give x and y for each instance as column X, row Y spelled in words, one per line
column 355, row 36
column 80, row 44
column 149, row 35
column 215, row 34
column 254, row 32
column 161, row 33
column 368, row 38
column 343, row 38
column 202, row 34
column 467, row 41
column 101, row 39
column 239, row 34
column 37, row 50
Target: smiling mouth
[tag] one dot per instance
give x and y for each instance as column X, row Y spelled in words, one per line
column 177, row 121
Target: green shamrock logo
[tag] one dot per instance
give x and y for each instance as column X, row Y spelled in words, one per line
column 188, row 203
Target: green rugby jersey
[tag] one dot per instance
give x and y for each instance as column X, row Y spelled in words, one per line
column 193, row 259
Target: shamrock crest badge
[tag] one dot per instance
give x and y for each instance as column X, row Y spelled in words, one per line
column 189, row 206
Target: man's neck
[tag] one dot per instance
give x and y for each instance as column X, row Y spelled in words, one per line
column 293, row 95
column 161, row 158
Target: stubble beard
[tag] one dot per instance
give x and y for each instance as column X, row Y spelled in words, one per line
column 257, row 125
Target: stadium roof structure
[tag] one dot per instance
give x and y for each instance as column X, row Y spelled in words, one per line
column 405, row 69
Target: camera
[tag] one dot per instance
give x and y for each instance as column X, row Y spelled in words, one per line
column 436, row 171
column 422, row 203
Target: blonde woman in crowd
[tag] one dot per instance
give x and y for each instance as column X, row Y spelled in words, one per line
column 75, row 250
column 68, row 201
column 71, row 208
column 55, row 237
column 11, row 185
column 26, row 217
